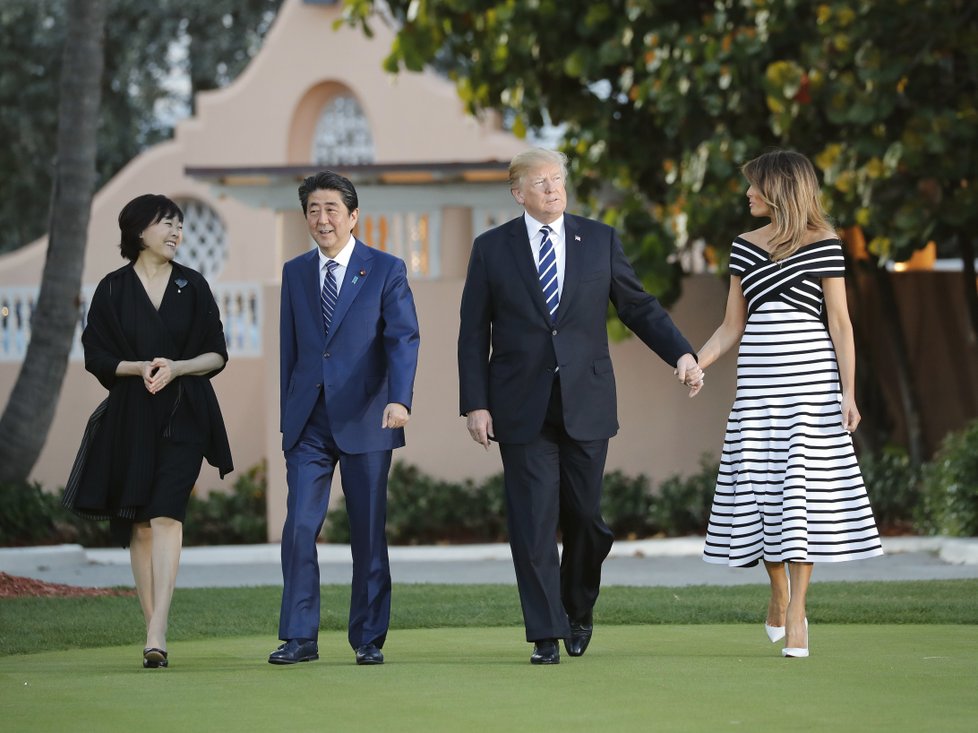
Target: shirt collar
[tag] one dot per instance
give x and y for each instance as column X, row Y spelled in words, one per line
column 533, row 227
column 342, row 257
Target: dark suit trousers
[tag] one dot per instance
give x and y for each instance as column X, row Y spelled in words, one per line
column 550, row 481
column 309, row 466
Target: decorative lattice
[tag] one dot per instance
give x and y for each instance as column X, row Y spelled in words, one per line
column 204, row 246
column 342, row 134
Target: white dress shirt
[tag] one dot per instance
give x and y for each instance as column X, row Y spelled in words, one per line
column 556, row 239
column 342, row 259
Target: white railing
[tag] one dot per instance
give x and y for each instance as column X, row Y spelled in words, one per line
column 240, row 305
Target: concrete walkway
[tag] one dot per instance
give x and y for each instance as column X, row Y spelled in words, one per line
column 664, row 562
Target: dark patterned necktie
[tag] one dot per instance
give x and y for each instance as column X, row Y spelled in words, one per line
column 330, row 293
column 548, row 272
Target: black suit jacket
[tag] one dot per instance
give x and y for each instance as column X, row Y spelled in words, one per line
column 508, row 348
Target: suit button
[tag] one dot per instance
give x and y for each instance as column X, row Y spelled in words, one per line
column 554, row 332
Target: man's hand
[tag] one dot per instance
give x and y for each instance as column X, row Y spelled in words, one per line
column 689, row 373
column 396, row 415
column 479, row 425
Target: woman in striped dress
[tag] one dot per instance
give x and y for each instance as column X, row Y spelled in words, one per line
column 789, row 490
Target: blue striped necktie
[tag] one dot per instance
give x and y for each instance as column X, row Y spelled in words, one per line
column 330, row 293
column 548, row 273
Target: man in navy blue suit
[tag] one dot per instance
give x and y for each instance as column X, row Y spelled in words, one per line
column 535, row 375
column 349, row 354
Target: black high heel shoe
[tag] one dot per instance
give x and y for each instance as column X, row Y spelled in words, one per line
column 154, row 658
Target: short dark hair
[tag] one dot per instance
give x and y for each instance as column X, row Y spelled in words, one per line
column 329, row 181
column 140, row 213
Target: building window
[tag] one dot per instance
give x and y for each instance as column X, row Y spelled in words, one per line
column 410, row 235
column 342, row 134
column 204, row 246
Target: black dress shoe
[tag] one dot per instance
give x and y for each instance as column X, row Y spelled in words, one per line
column 545, row 651
column 369, row 654
column 576, row 643
column 295, row 650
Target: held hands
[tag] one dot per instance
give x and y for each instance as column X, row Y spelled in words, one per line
column 395, row 416
column 689, row 373
column 158, row 373
column 479, row 425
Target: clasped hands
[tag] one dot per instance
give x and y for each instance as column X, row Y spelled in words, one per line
column 689, row 374
column 158, row 373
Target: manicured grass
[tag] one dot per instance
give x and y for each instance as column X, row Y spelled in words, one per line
column 41, row 624
column 678, row 677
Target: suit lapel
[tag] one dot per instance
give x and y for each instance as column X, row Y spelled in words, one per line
column 309, row 277
column 357, row 271
column 519, row 244
column 573, row 263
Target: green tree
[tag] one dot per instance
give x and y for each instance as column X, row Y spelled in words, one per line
column 30, row 410
column 158, row 55
column 661, row 101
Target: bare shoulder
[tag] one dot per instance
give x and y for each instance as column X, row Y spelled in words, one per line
column 821, row 235
column 758, row 237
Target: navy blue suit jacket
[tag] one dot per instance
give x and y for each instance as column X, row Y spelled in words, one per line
column 369, row 358
column 508, row 347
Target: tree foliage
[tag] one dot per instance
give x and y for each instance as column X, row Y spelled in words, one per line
column 663, row 100
column 158, row 54
column 30, row 410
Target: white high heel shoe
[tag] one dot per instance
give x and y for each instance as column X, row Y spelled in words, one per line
column 774, row 633
column 797, row 651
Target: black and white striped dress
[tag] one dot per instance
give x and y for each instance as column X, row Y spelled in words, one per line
column 789, row 486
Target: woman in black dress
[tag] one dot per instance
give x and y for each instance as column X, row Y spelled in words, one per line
column 154, row 339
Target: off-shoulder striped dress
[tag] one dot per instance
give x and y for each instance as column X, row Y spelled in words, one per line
column 789, row 486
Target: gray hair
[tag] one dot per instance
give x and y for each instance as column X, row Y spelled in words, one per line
column 533, row 158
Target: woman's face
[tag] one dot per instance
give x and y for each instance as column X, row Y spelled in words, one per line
column 160, row 240
column 756, row 203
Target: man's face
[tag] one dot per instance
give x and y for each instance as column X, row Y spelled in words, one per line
column 330, row 222
column 541, row 192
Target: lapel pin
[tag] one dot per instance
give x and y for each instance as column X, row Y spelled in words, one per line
column 577, row 237
column 180, row 283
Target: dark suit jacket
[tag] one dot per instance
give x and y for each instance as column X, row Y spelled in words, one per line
column 508, row 348
column 368, row 360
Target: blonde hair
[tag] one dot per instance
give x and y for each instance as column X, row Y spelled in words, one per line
column 786, row 182
column 528, row 160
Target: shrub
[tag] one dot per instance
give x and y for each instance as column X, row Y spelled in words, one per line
column 681, row 506
column 949, row 487
column 891, row 483
column 238, row 517
column 424, row 510
column 626, row 505
column 25, row 514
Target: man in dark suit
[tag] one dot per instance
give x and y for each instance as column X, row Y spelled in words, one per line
column 535, row 375
column 349, row 353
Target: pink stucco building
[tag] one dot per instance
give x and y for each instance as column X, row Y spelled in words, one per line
column 429, row 179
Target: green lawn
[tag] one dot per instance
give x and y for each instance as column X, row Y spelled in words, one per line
column 676, row 677
column 40, row 624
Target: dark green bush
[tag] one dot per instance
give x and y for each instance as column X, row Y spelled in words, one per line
column 681, row 506
column 949, row 487
column 892, row 486
column 31, row 516
column 236, row 518
column 26, row 514
column 626, row 505
column 424, row 510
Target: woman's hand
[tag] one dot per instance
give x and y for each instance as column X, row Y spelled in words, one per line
column 850, row 414
column 161, row 373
